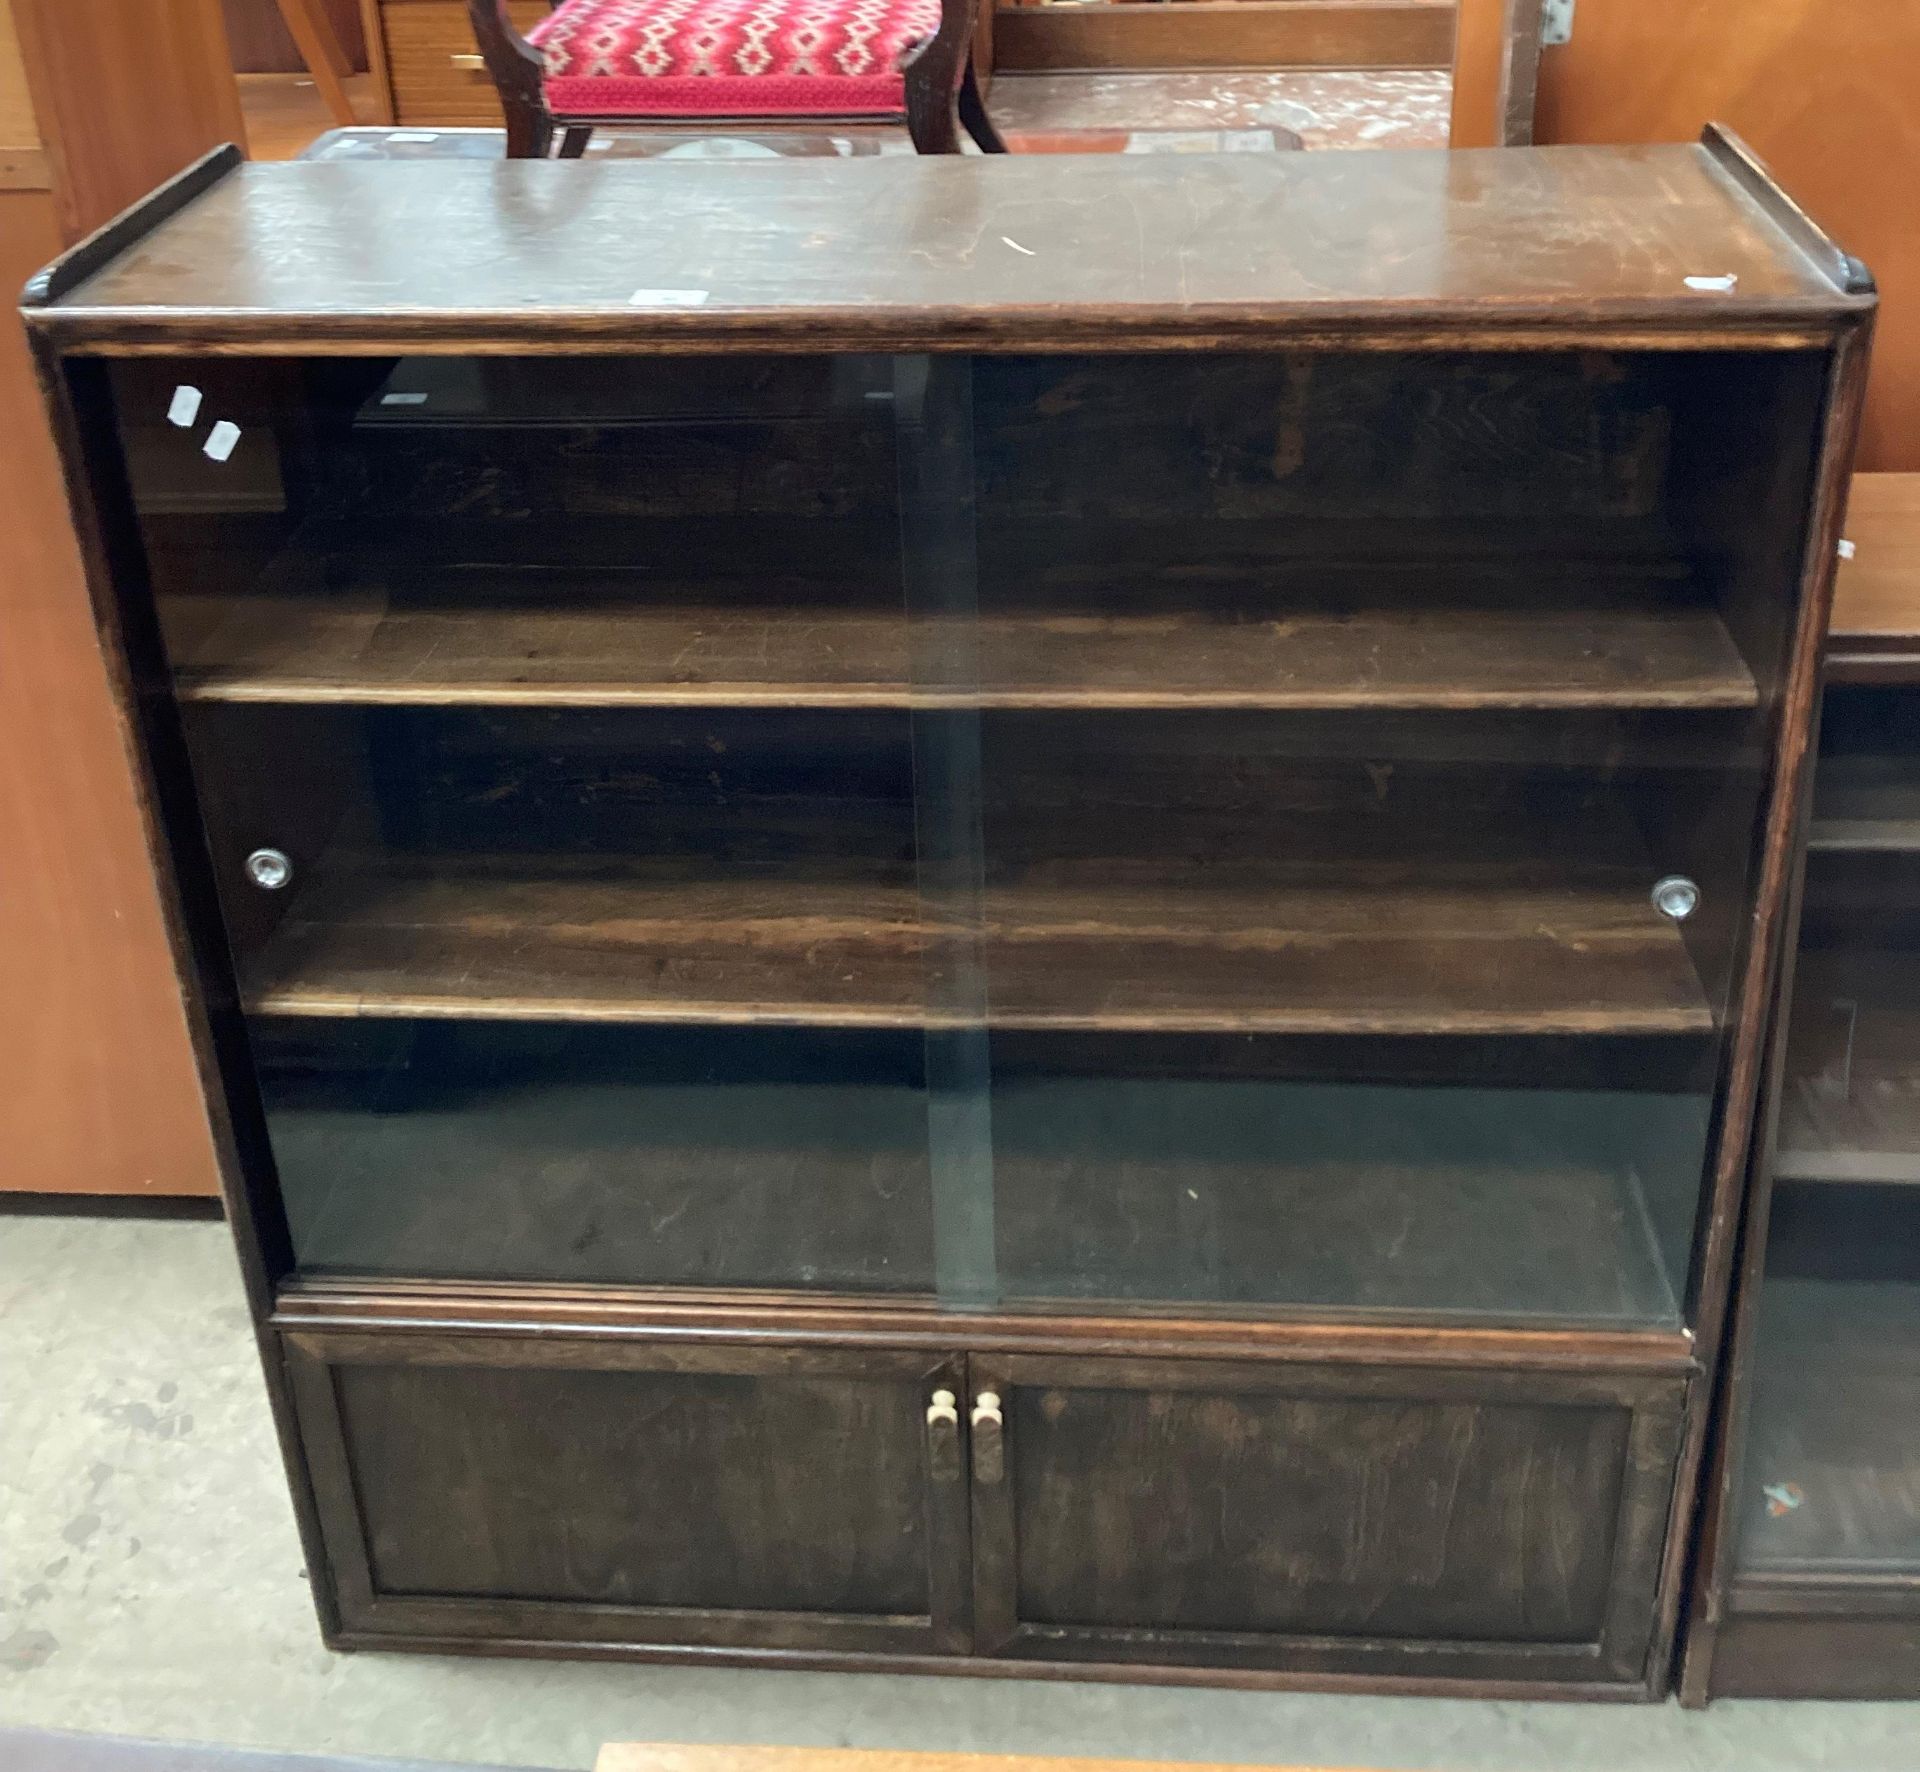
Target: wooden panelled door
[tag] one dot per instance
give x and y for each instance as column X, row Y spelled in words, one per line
column 1318, row 1517
column 580, row 1491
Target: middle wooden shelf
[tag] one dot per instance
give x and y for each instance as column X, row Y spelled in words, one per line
column 1301, row 950
column 1199, row 871
column 510, row 640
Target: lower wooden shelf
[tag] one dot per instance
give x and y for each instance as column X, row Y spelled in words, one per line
column 617, row 1157
column 1867, row 803
column 1851, row 1107
column 1285, row 948
column 1831, row 1484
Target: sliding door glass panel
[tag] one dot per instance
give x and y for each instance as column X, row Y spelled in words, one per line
column 1829, row 1485
column 551, row 723
column 1250, row 834
column 1371, row 761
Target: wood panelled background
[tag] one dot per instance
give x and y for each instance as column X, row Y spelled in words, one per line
column 1824, row 92
column 262, row 44
column 1496, row 60
column 125, row 96
column 97, row 1093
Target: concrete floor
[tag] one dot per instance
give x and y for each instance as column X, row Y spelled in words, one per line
column 151, row 1585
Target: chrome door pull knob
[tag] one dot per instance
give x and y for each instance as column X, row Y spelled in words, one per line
column 269, row 869
column 1676, row 897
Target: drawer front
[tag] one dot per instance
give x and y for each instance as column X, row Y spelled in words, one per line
column 1493, row 1525
column 576, row 1491
column 430, row 51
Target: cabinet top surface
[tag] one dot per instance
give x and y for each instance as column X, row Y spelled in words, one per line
column 1011, row 252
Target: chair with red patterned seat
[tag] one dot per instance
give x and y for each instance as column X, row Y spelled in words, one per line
column 785, row 62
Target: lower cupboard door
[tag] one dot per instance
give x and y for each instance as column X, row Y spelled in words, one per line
column 1327, row 1519
column 562, row 1490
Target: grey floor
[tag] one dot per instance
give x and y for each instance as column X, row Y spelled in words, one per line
column 151, row 1585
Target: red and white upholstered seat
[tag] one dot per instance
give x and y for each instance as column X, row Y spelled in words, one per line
column 730, row 58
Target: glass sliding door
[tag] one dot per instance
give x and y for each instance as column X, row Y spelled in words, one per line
column 552, row 729
column 1247, row 834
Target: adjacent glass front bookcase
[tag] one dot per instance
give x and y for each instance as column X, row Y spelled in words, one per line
column 1264, row 834
column 1827, row 1499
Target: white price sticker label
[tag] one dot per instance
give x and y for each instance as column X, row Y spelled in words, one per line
column 668, row 298
column 222, row 440
column 184, row 407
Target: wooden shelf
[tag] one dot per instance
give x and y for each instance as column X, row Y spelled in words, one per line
column 1866, row 804
column 1836, row 1427
column 1851, row 1110
column 1360, row 948
column 636, row 1156
column 1875, row 631
column 1498, row 1204
column 782, row 647
column 1517, row 1205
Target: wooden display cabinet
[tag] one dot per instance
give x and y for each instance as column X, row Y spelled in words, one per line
column 1018, row 920
column 1810, row 1566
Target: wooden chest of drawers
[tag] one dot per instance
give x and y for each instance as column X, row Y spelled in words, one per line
column 425, row 65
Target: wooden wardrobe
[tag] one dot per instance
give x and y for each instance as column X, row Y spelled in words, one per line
column 98, row 102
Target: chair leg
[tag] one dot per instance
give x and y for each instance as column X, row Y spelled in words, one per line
column 973, row 113
column 930, row 115
column 573, row 140
column 529, row 130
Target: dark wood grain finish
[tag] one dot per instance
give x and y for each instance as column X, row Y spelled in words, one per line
column 1226, row 34
column 1753, row 1065
column 589, row 866
column 1579, row 956
column 1562, row 241
column 1592, row 1432
column 476, row 1490
column 1802, row 1592
column 1829, row 1657
column 1167, row 1512
column 1749, row 172
column 1875, row 636
column 119, row 232
column 358, row 649
column 562, row 1314
column 1850, row 1111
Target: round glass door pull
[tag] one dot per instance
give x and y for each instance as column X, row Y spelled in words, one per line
column 1676, row 897
column 269, row 869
